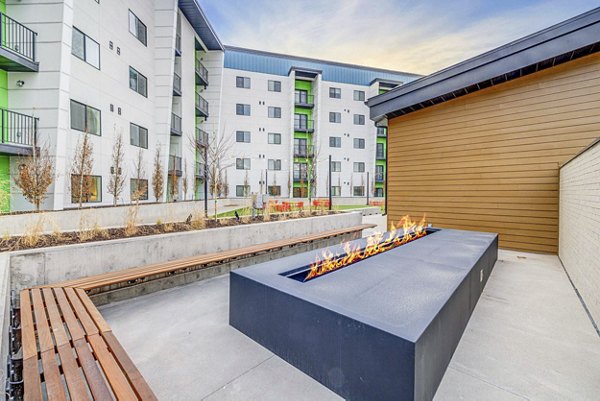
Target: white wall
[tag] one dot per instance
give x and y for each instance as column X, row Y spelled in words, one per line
column 579, row 225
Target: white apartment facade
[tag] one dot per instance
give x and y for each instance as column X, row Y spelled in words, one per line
column 156, row 73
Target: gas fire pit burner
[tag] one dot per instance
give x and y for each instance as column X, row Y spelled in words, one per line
column 383, row 327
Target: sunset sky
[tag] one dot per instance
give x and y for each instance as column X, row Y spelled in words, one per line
column 414, row 36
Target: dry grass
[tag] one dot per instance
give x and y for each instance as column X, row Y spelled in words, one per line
column 131, row 227
column 33, row 233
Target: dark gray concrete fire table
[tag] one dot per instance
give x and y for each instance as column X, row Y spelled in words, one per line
column 384, row 328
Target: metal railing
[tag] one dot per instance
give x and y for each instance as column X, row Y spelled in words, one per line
column 381, row 131
column 201, row 104
column 178, row 43
column 174, row 163
column 200, row 169
column 379, row 177
column 303, row 125
column 17, row 38
column 303, row 151
column 303, row 99
column 176, row 83
column 175, row 124
column 18, row 129
column 202, row 72
column 201, row 137
column 300, row 176
column 380, row 155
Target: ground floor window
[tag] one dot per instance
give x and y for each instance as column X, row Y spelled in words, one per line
column 242, row 190
column 300, row 192
column 138, row 189
column 336, row 191
column 358, row 191
column 275, row 190
column 379, row 192
column 89, row 188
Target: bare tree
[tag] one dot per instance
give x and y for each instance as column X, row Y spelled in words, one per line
column 158, row 181
column 173, row 183
column 262, row 180
column 246, row 184
column 116, row 183
column 225, row 185
column 311, row 172
column 81, row 170
column 140, row 178
column 289, row 184
column 35, row 175
column 184, row 179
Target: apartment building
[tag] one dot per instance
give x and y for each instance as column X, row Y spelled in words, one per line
column 156, row 74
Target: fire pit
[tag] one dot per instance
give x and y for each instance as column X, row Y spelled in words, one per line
column 383, row 327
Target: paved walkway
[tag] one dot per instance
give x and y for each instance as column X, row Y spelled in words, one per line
column 528, row 339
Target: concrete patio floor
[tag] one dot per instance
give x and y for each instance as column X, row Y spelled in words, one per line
column 529, row 338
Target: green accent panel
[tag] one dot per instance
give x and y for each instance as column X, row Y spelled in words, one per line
column 300, row 110
column 382, row 91
column 302, row 135
column 380, row 163
column 304, row 85
column 3, row 89
column 4, row 183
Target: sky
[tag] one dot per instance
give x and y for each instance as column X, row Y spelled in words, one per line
column 405, row 35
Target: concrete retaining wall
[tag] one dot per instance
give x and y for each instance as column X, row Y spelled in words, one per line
column 579, row 226
column 48, row 265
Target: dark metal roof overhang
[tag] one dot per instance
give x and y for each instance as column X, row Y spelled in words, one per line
column 563, row 42
column 194, row 14
column 308, row 73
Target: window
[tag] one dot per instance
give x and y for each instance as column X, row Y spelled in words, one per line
column 359, row 143
column 300, row 192
column 275, row 164
column 138, row 189
column 359, row 119
column 274, row 190
column 90, row 189
column 242, row 136
column 274, row 139
column 85, row 48
column 242, row 109
column 381, row 131
column 242, row 82
column 336, row 190
column 242, row 190
column 335, row 117
column 242, row 163
column 85, row 118
column 380, row 151
column 359, row 95
column 274, row 86
column 379, row 192
column 300, row 172
column 336, row 167
column 379, row 174
column 359, row 167
column 335, row 141
column 358, row 191
column 274, row 112
column 137, row 28
column 138, row 136
column 335, row 93
column 138, row 82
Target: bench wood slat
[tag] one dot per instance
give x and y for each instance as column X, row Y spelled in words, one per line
column 56, row 324
column 31, row 379
column 73, row 325
column 41, row 321
column 31, row 370
column 86, row 321
column 55, row 388
column 92, row 310
column 93, row 375
column 73, row 377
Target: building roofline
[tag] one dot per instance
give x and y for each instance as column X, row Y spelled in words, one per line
column 195, row 15
column 572, row 38
column 315, row 60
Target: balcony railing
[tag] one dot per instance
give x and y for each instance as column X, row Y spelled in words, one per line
column 380, row 155
column 379, row 177
column 303, row 151
column 303, row 99
column 176, row 84
column 201, row 137
column 18, row 39
column 201, row 74
column 303, row 125
column 18, row 129
column 381, row 131
column 200, row 169
column 175, row 164
column 175, row 124
column 300, row 176
column 178, row 44
column 201, row 106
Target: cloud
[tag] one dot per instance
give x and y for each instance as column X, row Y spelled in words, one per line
column 414, row 36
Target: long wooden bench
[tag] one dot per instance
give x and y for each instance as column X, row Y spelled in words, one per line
column 70, row 352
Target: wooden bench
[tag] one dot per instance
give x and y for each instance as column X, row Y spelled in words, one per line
column 70, row 352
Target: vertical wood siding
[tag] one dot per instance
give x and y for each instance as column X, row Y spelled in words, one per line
column 489, row 161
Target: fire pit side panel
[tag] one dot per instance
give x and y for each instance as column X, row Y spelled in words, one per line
column 353, row 359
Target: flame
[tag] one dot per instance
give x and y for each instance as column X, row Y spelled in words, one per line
column 379, row 242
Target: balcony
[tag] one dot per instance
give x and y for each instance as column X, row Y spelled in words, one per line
column 303, row 151
column 380, row 155
column 201, row 137
column 200, row 170
column 178, row 45
column 382, row 132
column 17, row 46
column 201, row 106
column 175, row 125
column 379, row 177
column 175, row 164
column 304, row 125
column 304, row 100
column 201, row 74
column 300, row 176
column 176, row 85
column 18, row 133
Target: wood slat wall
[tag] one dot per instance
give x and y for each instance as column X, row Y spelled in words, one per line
column 489, row 161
